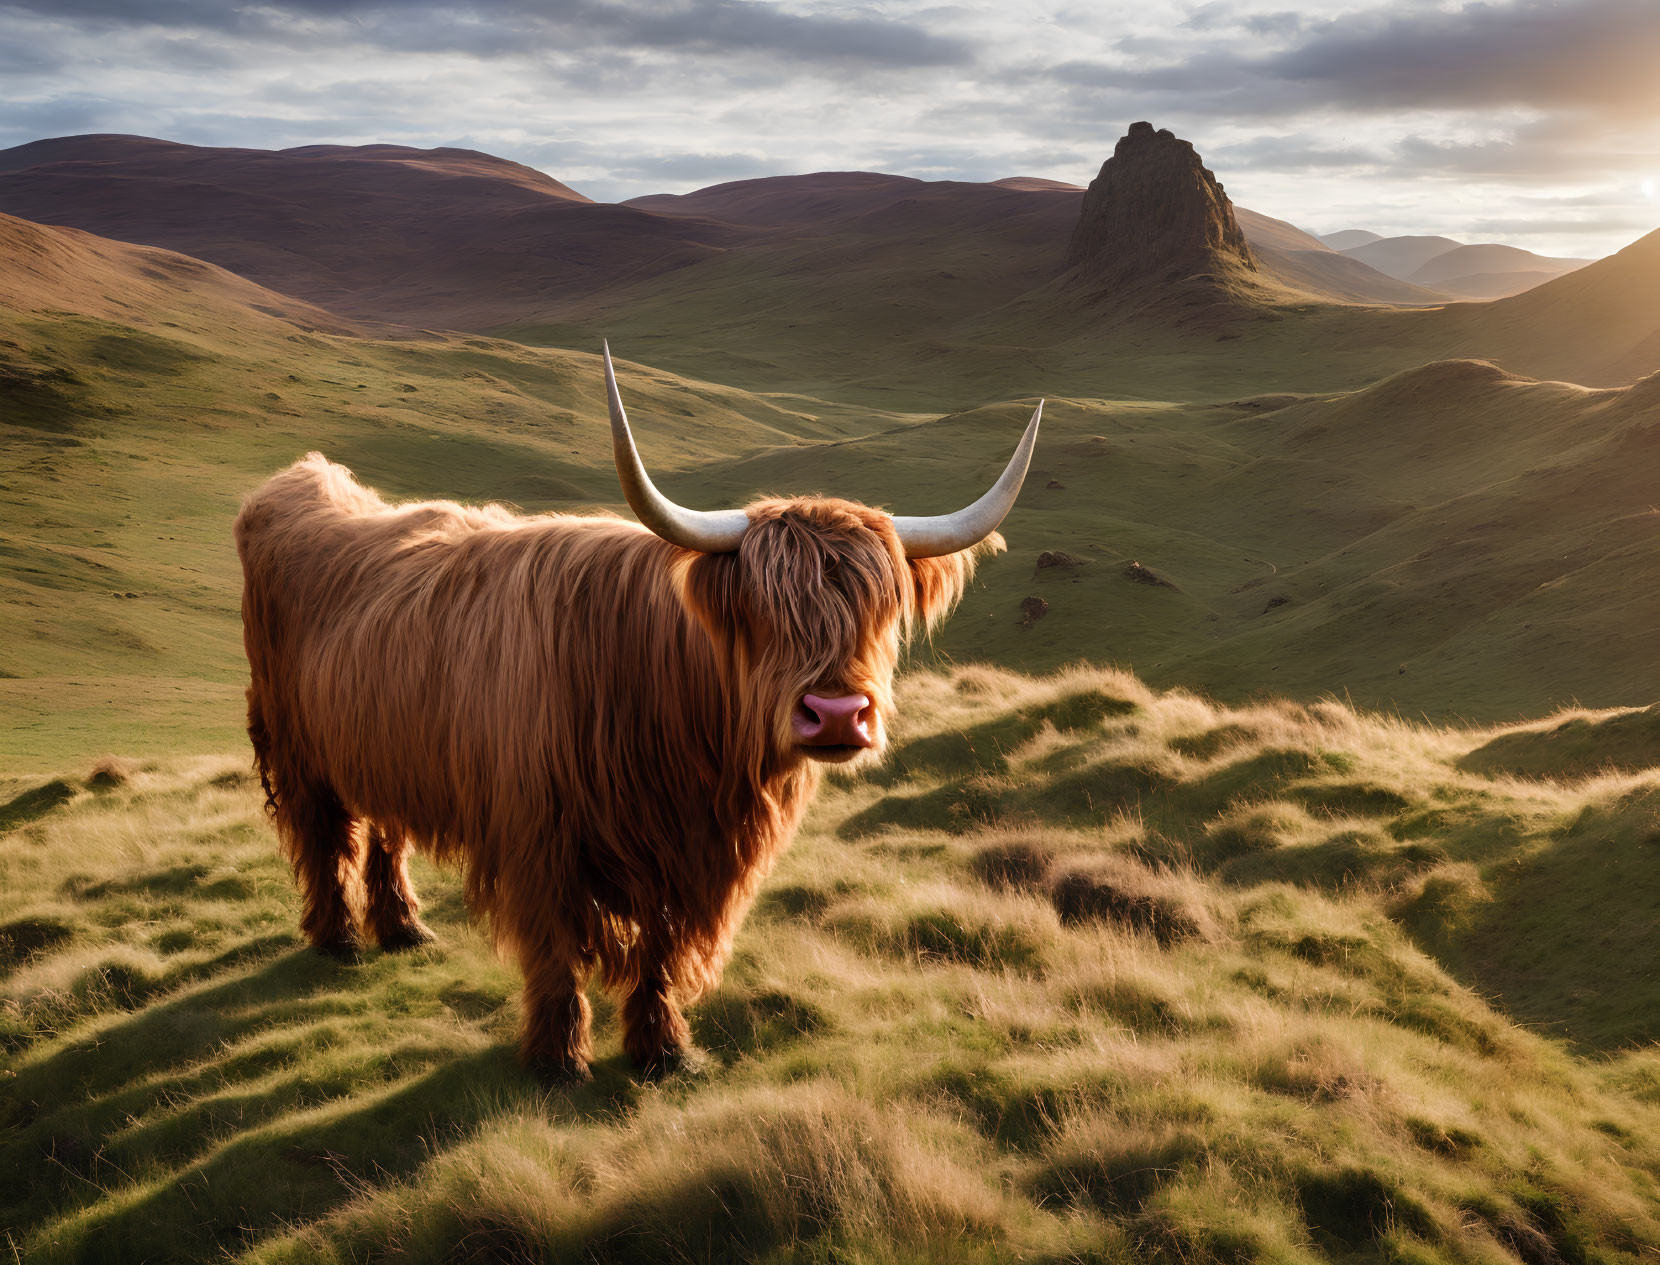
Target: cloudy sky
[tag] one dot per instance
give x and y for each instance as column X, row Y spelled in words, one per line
column 1534, row 122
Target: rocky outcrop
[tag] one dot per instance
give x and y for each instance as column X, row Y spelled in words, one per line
column 1155, row 215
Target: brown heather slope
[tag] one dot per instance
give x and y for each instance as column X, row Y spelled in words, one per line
column 347, row 163
column 828, row 197
column 421, row 237
column 464, row 240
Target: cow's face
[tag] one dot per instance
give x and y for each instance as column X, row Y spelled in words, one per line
column 811, row 597
column 813, row 607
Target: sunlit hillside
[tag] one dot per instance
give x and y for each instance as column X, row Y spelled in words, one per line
column 1087, row 973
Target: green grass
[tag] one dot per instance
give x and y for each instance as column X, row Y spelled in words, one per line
column 119, row 585
column 1184, row 982
column 1381, row 545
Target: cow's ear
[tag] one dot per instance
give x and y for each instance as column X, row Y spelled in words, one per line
column 713, row 591
column 939, row 582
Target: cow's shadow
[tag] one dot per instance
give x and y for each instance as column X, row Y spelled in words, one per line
column 213, row 1116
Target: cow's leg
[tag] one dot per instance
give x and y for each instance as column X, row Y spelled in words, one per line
column 318, row 830
column 555, row 1040
column 654, row 1031
column 391, row 908
column 315, row 828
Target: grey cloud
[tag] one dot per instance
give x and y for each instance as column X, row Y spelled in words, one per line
column 1526, row 52
column 1222, row 15
column 493, row 28
column 32, row 58
column 1291, row 152
column 1540, row 54
column 25, row 121
column 1209, row 16
column 1274, row 23
column 1510, row 158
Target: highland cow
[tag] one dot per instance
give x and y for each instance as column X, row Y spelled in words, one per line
column 612, row 728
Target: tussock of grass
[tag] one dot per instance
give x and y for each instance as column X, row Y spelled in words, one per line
column 1572, row 745
column 1185, row 983
column 108, row 773
column 1021, row 863
column 1120, row 890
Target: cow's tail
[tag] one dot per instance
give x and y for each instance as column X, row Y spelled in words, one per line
column 256, row 632
column 259, row 734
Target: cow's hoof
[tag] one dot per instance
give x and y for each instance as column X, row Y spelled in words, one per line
column 557, row 1073
column 415, row 935
column 680, row 1060
column 346, row 951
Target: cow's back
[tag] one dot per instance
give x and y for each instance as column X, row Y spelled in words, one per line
column 439, row 666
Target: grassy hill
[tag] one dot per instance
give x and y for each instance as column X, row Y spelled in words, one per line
column 1088, row 973
column 1446, row 541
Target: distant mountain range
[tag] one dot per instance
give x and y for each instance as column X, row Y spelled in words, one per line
column 1483, row 271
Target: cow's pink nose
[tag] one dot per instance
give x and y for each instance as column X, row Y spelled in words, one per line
column 848, row 721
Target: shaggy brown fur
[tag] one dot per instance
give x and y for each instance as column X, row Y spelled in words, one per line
column 594, row 723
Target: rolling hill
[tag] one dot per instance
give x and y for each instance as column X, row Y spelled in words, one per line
column 1348, row 237
column 57, row 270
column 1401, row 257
column 1452, row 269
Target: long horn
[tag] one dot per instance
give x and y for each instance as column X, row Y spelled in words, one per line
column 947, row 533
column 717, row 531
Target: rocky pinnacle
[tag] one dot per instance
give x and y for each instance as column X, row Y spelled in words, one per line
column 1156, row 214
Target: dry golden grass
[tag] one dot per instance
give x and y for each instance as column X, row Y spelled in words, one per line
column 1088, row 972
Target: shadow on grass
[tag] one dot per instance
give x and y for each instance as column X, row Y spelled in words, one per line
column 1569, row 940
column 191, row 1127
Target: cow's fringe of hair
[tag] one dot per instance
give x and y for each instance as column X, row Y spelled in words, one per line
column 592, row 723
